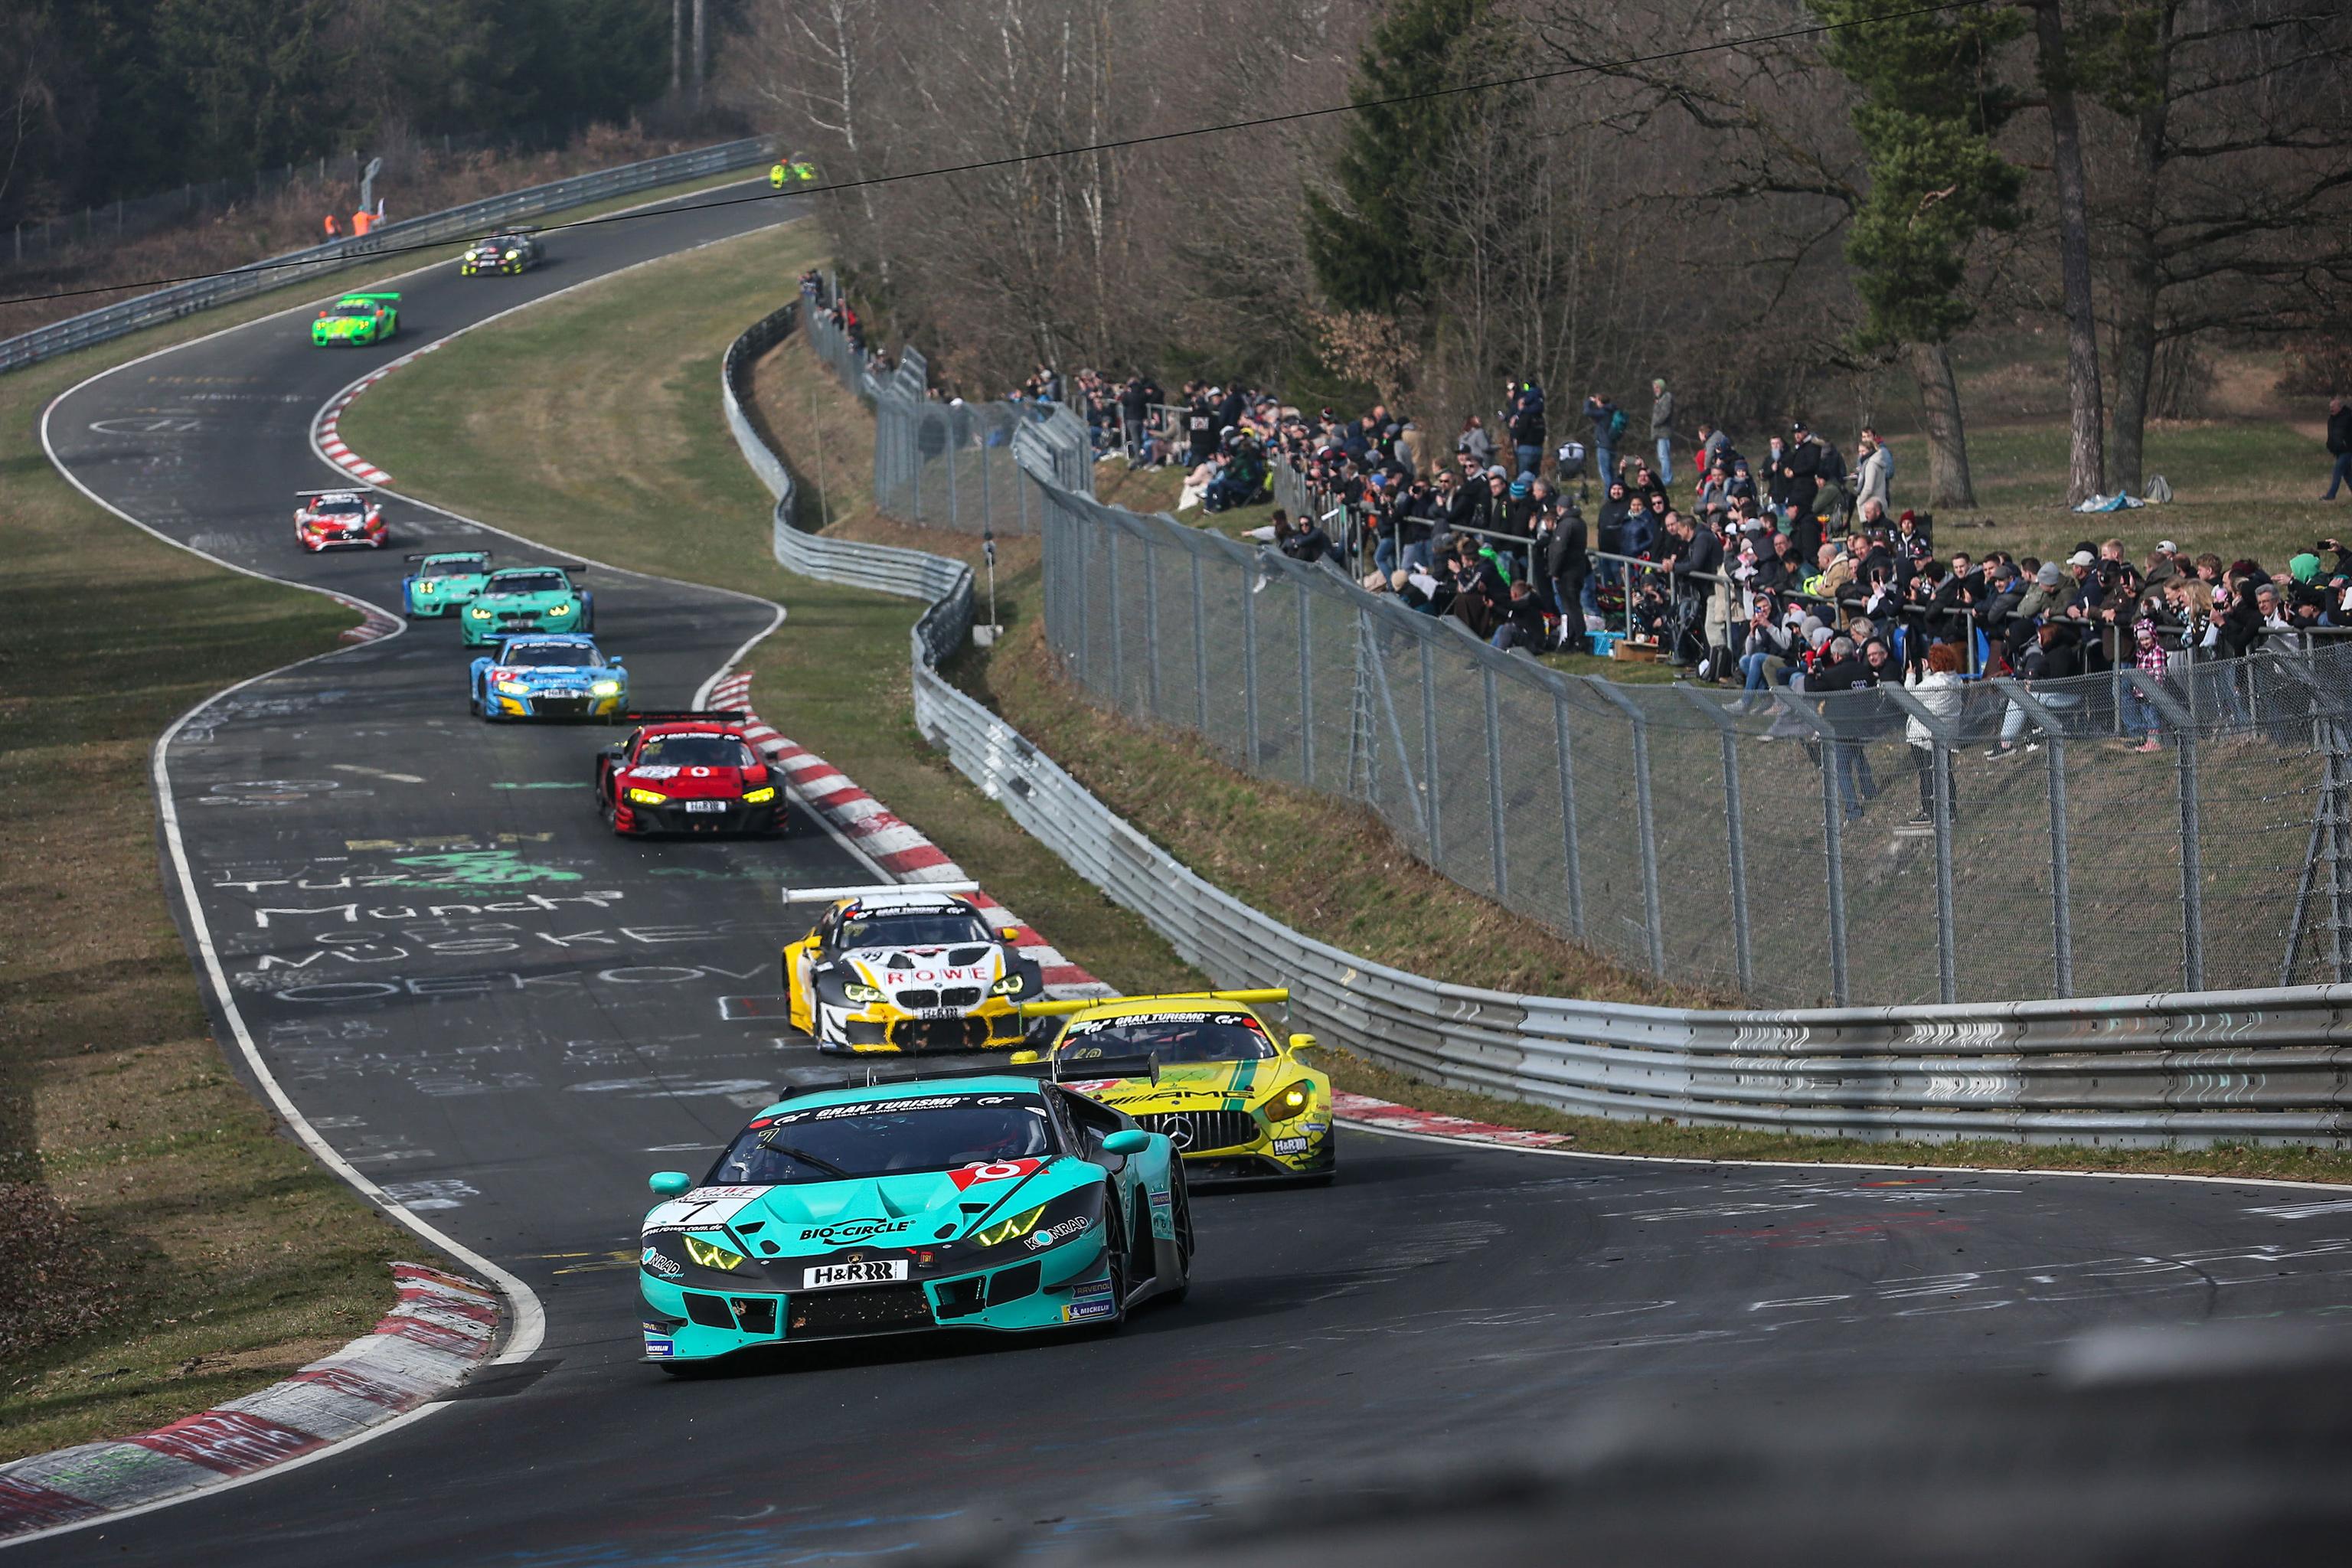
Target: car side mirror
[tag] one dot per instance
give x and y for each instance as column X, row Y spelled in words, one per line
column 1023, row 1059
column 1299, row 1043
column 670, row 1184
column 1126, row 1140
column 1009, row 934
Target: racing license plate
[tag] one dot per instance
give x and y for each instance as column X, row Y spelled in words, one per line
column 706, row 805
column 826, row 1275
column 939, row 1012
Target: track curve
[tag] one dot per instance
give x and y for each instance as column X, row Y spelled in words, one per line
column 505, row 1017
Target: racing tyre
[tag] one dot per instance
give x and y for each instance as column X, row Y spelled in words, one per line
column 473, row 703
column 1182, row 1205
column 1116, row 1256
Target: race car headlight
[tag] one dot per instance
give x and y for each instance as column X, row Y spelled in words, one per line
column 478, row 613
column 760, row 797
column 513, row 688
column 512, row 254
column 646, row 797
column 1290, row 1102
column 606, row 689
column 1010, row 985
column 560, row 607
column 1004, row 1230
column 855, row 991
column 710, row 1255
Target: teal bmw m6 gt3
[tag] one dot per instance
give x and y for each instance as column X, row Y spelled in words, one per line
column 988, row 1200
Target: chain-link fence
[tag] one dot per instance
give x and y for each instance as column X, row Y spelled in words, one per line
column 1873, row 846
column 949, row 464
column 1877, row 846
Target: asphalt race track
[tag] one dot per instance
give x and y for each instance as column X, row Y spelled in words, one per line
column 507, row 1019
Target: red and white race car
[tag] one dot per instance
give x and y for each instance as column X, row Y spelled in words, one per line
column 689, row 773
column 330, row 519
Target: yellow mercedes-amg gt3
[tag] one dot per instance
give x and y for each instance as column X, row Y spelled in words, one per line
column 1235, row 1099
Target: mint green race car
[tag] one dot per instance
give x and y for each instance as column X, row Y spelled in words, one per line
column 445, row 582
column 993, row 1200
column 356, row 321
column 527, row 599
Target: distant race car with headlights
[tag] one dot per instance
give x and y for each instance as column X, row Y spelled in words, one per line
column 444, row 583
column 906, row 968
column 994, row 1200
column 543, row 675
column 692, row 773
column 1235, row 1099
column 527, row 599
column 509, row 250
column 357, row 320
column 338, row 520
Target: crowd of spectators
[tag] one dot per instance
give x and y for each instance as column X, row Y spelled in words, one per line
column 1786, row 567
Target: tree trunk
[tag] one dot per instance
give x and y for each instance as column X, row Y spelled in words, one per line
column 2140, row 284
column 2086, row 467
column 676, row 45
column 700, row 54
column 1949, row 487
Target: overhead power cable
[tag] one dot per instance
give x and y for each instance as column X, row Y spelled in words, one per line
column 1221, row 127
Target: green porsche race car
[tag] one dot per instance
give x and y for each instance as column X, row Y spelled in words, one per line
column 445, row 582
column 357, row 320
column 990, row 1200
column 527, row 599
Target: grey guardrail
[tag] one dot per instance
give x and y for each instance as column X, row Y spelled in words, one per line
column 451, row 223
column 2182, row 1069
column 942, row 583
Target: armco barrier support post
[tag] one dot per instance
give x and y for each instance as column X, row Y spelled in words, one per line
column 1429, row 751
column 1645, row 822
column 2062, row 899
column 1734, row 832
column 2192, row 856
column 1571, row 859
column 1496, row 840
column 1940, row 737
column 1306, row 691
column 1833, row 836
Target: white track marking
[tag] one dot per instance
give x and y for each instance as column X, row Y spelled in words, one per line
column 376, row 773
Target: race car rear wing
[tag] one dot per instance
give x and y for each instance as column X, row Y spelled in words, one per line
column 873, row 889
column 1080, row 1004
column 429, row 555
column 1146, row 1066
column 344, row 491
column 683, row 716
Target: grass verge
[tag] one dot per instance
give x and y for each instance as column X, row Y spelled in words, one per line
column 162, row 1248
column 587, row 469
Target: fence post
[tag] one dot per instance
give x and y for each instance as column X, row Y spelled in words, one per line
column 1429, row 751
column 1200, row 652
column 987, row 515
column 1117, row 650
column 2192, row 854
column 1081, row 594
column 1306, row 694
column 1941, row 735
column 1645, row 822
column 1832, row 848
column 1249, row 666
column 1151, row 626
column 2062, row 897
column 1497, row 840
column 1571, row 858
column 1734, row 833
column 955, row 483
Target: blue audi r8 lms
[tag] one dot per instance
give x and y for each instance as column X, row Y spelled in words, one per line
column 994, row 1200
column 548, row 675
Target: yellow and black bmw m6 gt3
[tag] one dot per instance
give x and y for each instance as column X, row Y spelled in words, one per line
column 906, row 968
column 1235, row 1099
